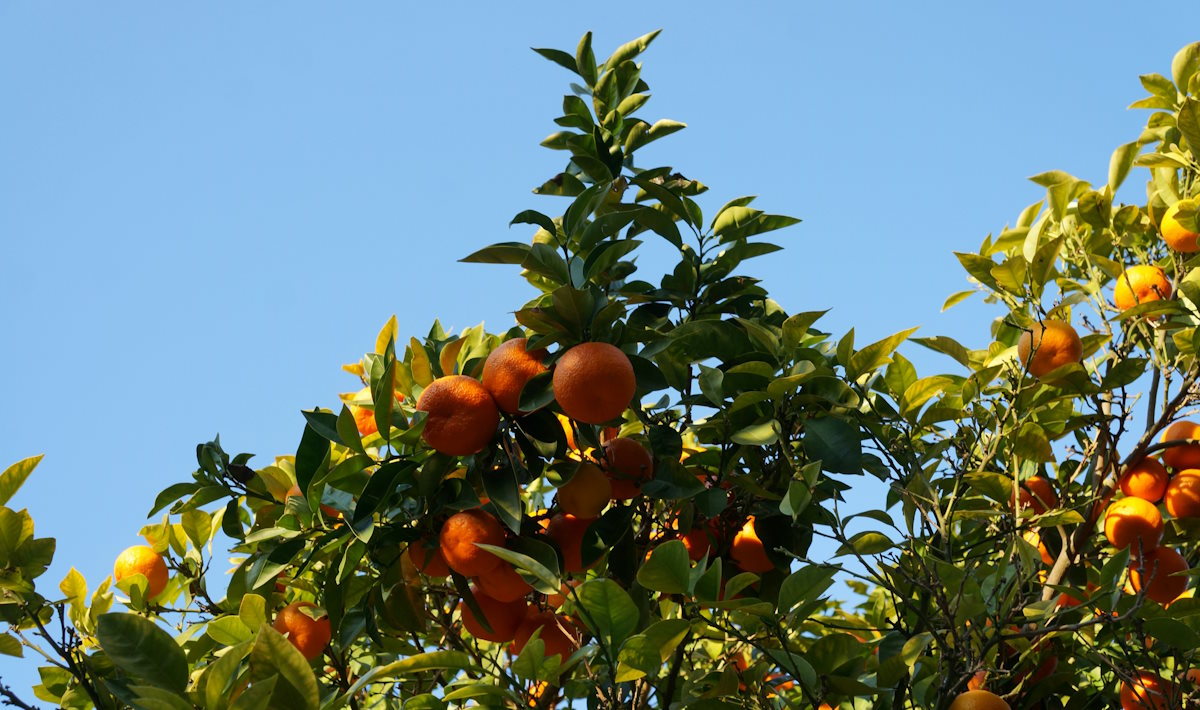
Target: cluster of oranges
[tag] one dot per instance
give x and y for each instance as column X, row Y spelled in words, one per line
column 1053, row 343
column 1136, row 522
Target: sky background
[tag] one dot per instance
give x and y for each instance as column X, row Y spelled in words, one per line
column 205, row 210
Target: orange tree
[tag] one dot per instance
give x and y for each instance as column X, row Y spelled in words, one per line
column 613, row 502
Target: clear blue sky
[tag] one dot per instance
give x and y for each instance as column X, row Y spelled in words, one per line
column 206, row 210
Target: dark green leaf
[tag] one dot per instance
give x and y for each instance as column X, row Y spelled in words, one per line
column 15, row 475
column 141, row 649
column 667, row 570
column 835, row 442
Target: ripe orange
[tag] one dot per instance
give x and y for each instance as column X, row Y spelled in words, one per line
column 586, row 494
column 555, row 633
column 594, row 382
column 1037, row 494
column 567, row 532
column 1048, row 346
column 459, row 534
column 628, row 465
column 564, row 593
column 428, row 561
column 979, row 700
column 508, row 369
column 1184, row 455
column 143, row 560
column 310, row 636
column 1140, row 284
column 503, row 617
column 748, row 552
column 1183, row 494
column 1131, row 519
column 504, row 584
column 1033, row 537
column 977, row 681
column 364, row 419
column 1158, row 568
column 1146, row 479
column 1148, row 692
column 462, row 416
column 698, row 542
column 1178, row 237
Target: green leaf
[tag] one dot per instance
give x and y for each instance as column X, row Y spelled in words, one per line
column 1185, row 63
column 646, row 652
column 631, row 49
column 667, row 570
column 1189, row 123
column 420, row 663
column 835, row 442
column 15, row 475
column 10, row 646
column 956, row 299
column 273, row 655
column 761, row 434
column 585, row 60
column 514, row 253
column 559, row 57
column 140, row 648
column 228, row 631
column 878, row 353
column 151, row 698
column 1120, row 163
column 608, row 609
column 869, row 542
column 547, row 579
column 219, row 675
column 505, row 494
column 806, row 584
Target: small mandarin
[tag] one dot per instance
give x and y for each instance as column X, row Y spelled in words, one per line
column 143, row 560
column 1146, row 479
column 1146, row 692
column 461, row 416
column 1157, row 573
column 503, row 617
column 458, row 539
column 979, row 700
column 508, row 369
column 594, row 382
column 628, row 465
column 1140, row 284
column 1182, row 496
column 1184, row 455
column 1048, row 346
column 586, row 494
column 748, row 552
column 1133, row 519
column 1178, row 237
column 555, row 632
column 310, row 636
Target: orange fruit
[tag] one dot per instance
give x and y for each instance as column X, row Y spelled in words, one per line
column 1148, row 692
column 748, row 551
column 504, row 584
column 1178, row 237
column 1183, row 494
column 979, row 700
column 1033, row 537
column 1158, row 568
column 977, row 681
column 567, row 532
column 1140, row 284
column 364, row 419
column 1133, row 519
column 555, row 633
column 429, row 561
column 1048, row 346
column 462, row 416
column 143, row 560
column 1037, row 494
column 628, row 465
column 1066, row 599
column 508, row 368
column 594, row 382
column 564, row 593
column 459, row 534
column 1146, row 479
column 586, row 494
column 503, row 617
column 1184, row 455
column 310, row 636
column 698, row 542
